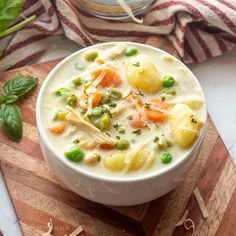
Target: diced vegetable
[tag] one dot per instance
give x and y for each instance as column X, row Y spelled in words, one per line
column 139, row 160
column 96, row 97
column 137, row 122
column 98, row 111
column 60, row 115
column 75, row 154
column 122, row 144
column 72, row 100
column 115, row 162
column 105, row 99
column 83, row 99
column 104, row 122
column 87, row 85
column 171, row 91
column 77, row 81
column 110, row 78
column 154, row 113
column 166, row 158
column 58, row 128
column 100, row 61
column 114, row 94
column 106, row 146
column 168, row 81
column 91, row 55
column 130, row 117
column 62, row 91
column 131, row 51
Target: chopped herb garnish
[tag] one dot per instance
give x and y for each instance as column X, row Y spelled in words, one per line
column 137, row 64
column 130, row 117
column 139, row 92
column 156, row 139
column 137, row 132
column 76, row 141
column 113, row 104
column 193, row 119
column 119, row 128
column 156, row 124
column 146, row 105
column 99, row 158
column 163, row 99
column 146, row 126
column 118, row 137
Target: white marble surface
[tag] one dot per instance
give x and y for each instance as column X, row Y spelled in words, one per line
column 218, row 79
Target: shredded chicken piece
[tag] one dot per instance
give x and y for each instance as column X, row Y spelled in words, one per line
column 50, row 228
column 182, row 219
column 88, row 128
column 149, row 160
column 115, row 51
column 131, row 155
column 92, row 158
column 77, row 231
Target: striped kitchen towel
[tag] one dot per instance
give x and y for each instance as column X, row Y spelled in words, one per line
column 198, row 29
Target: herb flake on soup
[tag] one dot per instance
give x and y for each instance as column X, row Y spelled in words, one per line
column 120, row 109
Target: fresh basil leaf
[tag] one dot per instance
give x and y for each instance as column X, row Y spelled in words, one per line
column 12, row 122
column 19, row 85
column 2, row 98
column 10, row 98
column 9, row 11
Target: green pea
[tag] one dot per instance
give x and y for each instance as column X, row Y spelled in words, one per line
column 60, row 115
column 131, row 51
column 114, row 94
column 74, row 154
column 91, row 55
column 168, row 81
column 171, row 91
column 122, row 144
column 98, row 111
column 62, row 91
column 77, row 81
column 104, row 122
column 166, row 158
column 72, row 100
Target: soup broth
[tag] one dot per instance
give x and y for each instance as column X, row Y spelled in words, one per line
column 123, row 110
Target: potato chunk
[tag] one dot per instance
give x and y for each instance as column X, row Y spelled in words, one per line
column 142, row 73
column 115, row 162
column 184, row 124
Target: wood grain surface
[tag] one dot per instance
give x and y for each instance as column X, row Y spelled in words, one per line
column 37, row 195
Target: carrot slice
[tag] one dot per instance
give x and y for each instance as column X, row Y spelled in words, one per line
column 155, row 115
column 58, row 128
column 83, row 99
column 100, row 61
column 106, row 146
column 160, row 104
column 110, row 78
column 137, row 122
column 133, row 97
column 96, row 98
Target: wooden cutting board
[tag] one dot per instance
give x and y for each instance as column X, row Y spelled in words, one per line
column 37, row 195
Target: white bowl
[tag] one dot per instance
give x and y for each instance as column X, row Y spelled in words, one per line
column 101, row 189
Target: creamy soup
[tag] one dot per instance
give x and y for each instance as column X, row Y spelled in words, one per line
column 123, row 110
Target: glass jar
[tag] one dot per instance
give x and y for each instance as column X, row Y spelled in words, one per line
column 111, row 9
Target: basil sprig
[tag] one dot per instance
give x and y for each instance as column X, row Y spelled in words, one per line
column 10, row 114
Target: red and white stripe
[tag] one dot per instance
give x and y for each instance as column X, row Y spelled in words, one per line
column 198, row 29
